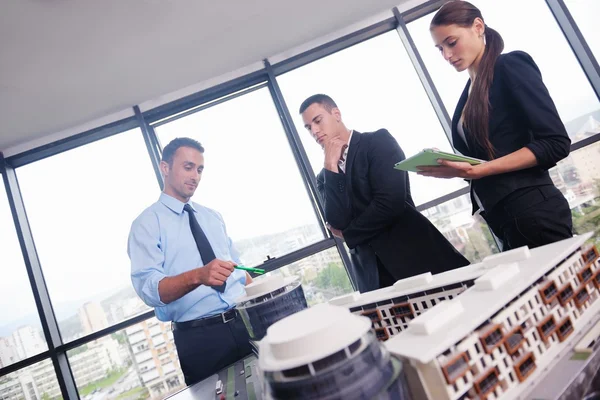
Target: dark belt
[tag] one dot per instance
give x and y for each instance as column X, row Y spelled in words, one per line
column 222, row 318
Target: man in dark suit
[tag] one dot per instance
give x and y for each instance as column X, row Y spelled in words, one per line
column 368, row 203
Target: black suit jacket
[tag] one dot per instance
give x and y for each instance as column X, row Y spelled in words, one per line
column 372, row 205
column 522, row 114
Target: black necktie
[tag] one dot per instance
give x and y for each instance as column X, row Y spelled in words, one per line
column 206, row 252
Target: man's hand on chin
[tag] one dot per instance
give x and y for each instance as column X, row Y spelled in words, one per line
column 333, row 153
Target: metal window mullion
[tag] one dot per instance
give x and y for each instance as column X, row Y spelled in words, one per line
column 334, row 46
column 302, row 160
column 204, row 96
column 208, row 104
column 35, row 274
column 443, row 199
column 430, row 89
column 151, row 144
column 578, row 44
column 295, row 143
column 71, row 142
column 278, row 262
column 9, row 369
column 106, row 331
column 64, row 375
column 422, row 10
column 424, row 76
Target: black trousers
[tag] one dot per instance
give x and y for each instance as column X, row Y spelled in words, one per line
column 204, row 351
column 364, row 268
column 385, row 277
column 532, row 217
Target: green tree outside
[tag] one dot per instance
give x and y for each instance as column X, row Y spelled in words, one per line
column 333, row 276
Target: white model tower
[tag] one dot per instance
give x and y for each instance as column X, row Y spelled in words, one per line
column 325, row 352
column 269, row 299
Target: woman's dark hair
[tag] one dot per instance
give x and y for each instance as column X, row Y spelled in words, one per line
column 477, row 108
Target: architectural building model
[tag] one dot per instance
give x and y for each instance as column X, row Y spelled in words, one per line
column 267, row 300
column 391, row 309
column 326, row 352
column 497, row 338
column 575, row 373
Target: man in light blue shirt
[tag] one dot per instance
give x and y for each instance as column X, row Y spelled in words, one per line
column 167, row 244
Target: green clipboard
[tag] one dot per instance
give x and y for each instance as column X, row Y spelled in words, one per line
column 429, row 157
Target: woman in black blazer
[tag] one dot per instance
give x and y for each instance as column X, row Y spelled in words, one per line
column 507, row 117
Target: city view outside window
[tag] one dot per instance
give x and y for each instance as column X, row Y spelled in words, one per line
column 570, row 89
column 375, row 86
column 36, row 382
column 80, row 205
column 139, row 362
column 250, row 176
column 323, row 276
column 468, row 233
column 578, row 178
column 21, row 333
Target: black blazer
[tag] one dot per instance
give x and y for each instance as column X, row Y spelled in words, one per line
column 522, row 114
column 372, row 205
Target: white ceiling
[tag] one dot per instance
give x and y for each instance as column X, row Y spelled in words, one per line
column 64, row 63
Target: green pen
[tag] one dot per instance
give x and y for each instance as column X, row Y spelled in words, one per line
column 255, row 270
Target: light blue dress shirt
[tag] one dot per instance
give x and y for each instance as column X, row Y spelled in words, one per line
column 161, row 244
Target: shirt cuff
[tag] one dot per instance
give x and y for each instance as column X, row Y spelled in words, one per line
column 150, row 293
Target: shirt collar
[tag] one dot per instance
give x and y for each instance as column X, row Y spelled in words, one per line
column 342, row 161
column 174, row 204
column 348, row 146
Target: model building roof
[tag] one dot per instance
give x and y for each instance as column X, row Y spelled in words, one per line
column 420, row 284
column 310, row 335
column 433, row 332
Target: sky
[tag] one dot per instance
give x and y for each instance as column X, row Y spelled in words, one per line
column 526, row 25
column 81, row 203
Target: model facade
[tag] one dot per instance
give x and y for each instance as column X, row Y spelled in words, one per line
column 497, row 337
column 391, row 309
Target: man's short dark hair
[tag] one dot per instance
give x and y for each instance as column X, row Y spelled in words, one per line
column 321, row 99
column 170, row 149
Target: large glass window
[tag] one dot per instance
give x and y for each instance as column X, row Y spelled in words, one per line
column 21, row 333
column 585, row 13
column 532, row 29
column 139, row 362
column 375, row 86
column 250, row 176
column 578, row 178
column 468, row 233
column 35, row 382
column 80, row 205
column 323, row 276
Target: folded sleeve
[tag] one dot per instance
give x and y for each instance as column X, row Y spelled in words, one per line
column 147, row 258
